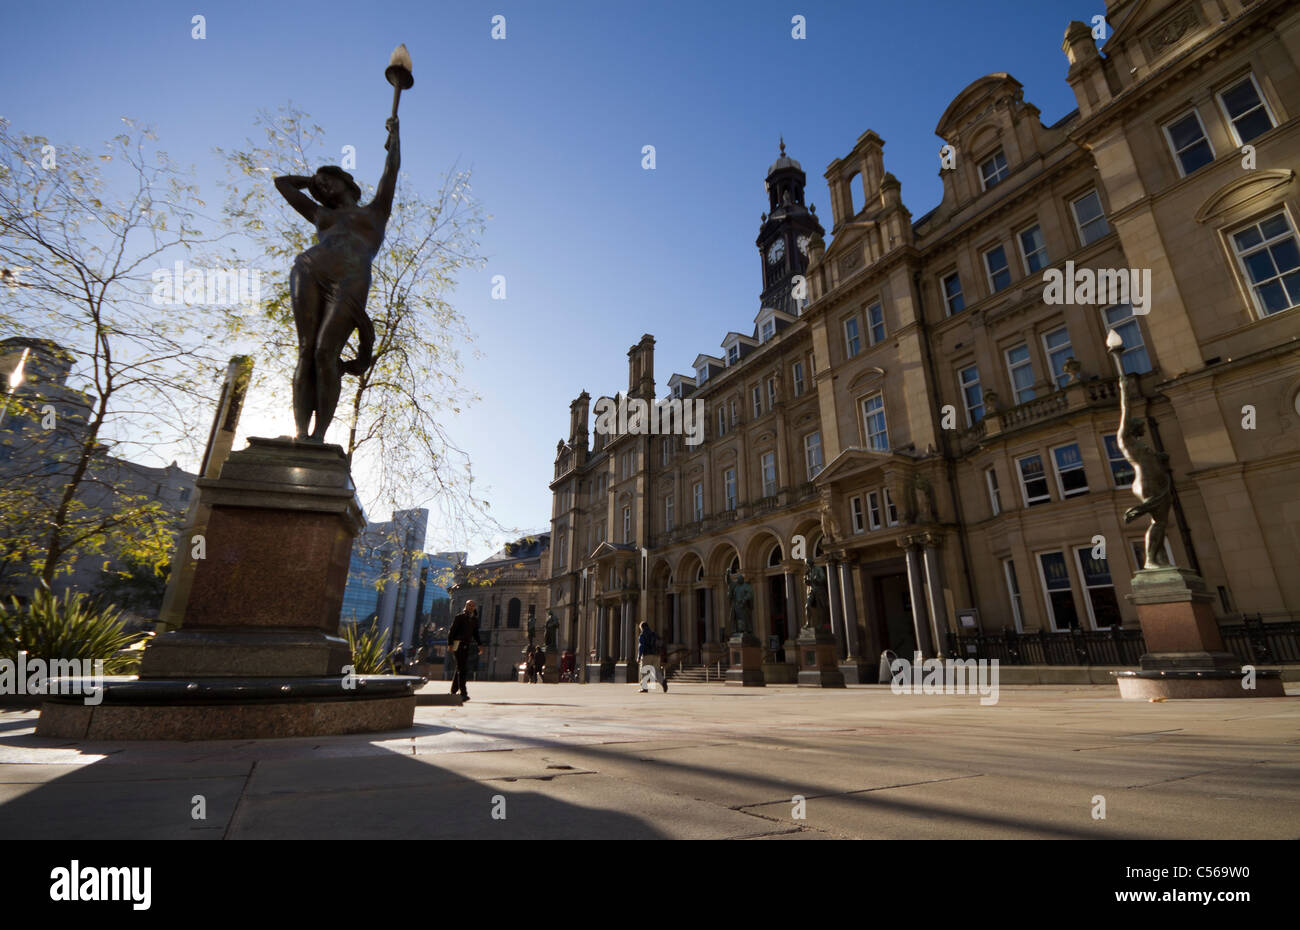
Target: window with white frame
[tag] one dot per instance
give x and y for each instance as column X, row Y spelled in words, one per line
column 972, row 395
column 796, row 378
column 668, row 513
column 1189, row 143
column 873, row 417
column 891, row 512
column 1033, row 480
column 952, row 297
column 873, row 510
column 993, row 169
column 876, row 324
column 697, row 493
column 1057, row 346
column 812, row 453
column 1098, row 589
column 852, row 339
column 1121, row 472
column 1246, row 109
column 771, row 393
column 1071, row 480
column 1013, row 593
column 627, row 524
column 1134, row 358
column 702, row 374
column 768, row 330
column 1033, row 249
column 722, row 421
column 735, row 412
column 768, row 470
column 995, row 496
column 733, row 354
column 1089, row 218
column 729, row 487
column 1061, row 609
column 1021, row 368
column 999, row 272
column 1271, row 261
column 757, row 395
column 857, row 513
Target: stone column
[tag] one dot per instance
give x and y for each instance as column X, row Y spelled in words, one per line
column 833, row 592
column 850, row 611
column 934, row 585
column 916, row 590
column 792, row 617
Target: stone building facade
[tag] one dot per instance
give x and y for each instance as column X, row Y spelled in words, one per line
column 916, row 406
column 509, row 586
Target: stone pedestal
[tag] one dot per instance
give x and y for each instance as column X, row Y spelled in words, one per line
column 551, row 673
column 258, row 654
column 818, row 659
column 1186, row 657
column 857, row 673
column 746, row 661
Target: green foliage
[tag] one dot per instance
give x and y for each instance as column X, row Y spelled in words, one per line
column 369, row 653
column 69, row 626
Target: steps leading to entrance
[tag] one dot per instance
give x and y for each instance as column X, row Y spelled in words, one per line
column 695, row 673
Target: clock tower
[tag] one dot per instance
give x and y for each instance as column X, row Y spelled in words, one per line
column 787, row 229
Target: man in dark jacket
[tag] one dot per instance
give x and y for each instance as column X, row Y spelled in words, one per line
column 464, row 630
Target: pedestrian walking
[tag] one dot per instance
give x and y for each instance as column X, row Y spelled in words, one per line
column 647, row 655
column 462, row 636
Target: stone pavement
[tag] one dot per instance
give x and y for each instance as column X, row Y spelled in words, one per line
column 703, row 761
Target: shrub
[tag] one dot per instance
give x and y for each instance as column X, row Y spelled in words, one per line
column 69, row 626
column 369, row 657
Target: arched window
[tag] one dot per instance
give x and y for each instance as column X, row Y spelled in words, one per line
column 774, row 558
column 512, row 614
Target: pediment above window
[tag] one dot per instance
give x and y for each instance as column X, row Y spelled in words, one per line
column 1254, row 191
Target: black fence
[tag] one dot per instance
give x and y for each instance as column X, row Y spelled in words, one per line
column 1253, row 641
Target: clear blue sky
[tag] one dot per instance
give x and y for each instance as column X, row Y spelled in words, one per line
column 595, row 250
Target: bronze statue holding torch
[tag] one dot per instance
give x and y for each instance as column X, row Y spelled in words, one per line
column 330, row 281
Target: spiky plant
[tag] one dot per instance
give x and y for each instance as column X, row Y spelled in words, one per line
column 67, row 626
column 369, row 655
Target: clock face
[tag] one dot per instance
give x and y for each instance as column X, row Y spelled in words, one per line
column 775, row 251
column 802, row 242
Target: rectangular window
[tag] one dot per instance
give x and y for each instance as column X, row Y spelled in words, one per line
column 1013, row 593
column 1120, row 470
column 796, row 378
column 993, row 170
column 1098, row 589
column 812, row 453
column 1070, row 477
column 1061, row 609
column 627, row 524
column 852, row 341
column 758, row 401
column 702, row 374
column 1134, row 358
column 1033, row 249
column 876, row 324
column 697, row 493
column 859, row 517
column 1188, row 142
column 995, row 262
column 1021, row 369
column 771, row 393
column 733, row 354
column 668, row 513
column 873, row 510
column 1246, row 110
column 722, row 422
column 972, row 394
column 891, row 512
column 1057, row 346
column 995, row 496
column 1268, row 255
column 735, row 413
column 769, row 330
column 667, row 451
column 769, row 474
column 729, row 487
column 952, row 294
column 1033, row 480
column 873, row 415
column 1089, row 218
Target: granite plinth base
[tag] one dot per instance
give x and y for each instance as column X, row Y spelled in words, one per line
column 746, row 661
column 858, row 673
column 818, row 659
column 236, row 653
column 235, row 708
column 780, row 673
column 1197, row 683
column 551, row 674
